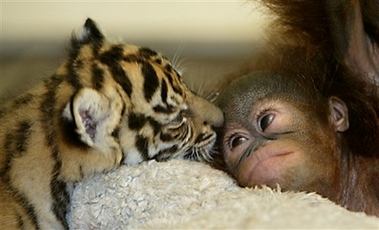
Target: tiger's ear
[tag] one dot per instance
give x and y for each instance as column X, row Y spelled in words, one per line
column 89, row 33
column 95, row 116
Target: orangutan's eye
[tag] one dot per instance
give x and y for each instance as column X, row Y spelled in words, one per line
column 236, row 141
column 265, row 121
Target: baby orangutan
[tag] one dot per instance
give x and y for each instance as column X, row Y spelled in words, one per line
column 306, row 117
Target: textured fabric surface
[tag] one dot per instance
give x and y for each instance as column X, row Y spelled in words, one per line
column 183, row 194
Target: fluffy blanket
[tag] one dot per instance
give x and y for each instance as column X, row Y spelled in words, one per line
column 183, row 194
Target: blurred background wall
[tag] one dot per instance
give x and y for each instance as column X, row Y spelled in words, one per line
column 209, row 36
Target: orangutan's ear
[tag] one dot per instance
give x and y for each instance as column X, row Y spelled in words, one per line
column 339, row 116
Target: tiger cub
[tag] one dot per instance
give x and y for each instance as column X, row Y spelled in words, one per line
column 106, row 105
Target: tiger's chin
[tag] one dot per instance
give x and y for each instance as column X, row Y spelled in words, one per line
column 203, row 151
column 199, row 154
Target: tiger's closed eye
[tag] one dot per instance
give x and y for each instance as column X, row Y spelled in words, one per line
column 180, row 119
column 182, row 114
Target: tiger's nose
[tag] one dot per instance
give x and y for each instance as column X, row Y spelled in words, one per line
column 208, row 112
column 216, row 119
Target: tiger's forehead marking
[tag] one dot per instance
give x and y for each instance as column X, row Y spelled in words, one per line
column 141, row 72
column 97, row 76
column 151, row 81
column 147, row 78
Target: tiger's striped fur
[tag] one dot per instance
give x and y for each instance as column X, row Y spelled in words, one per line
column 106, row 105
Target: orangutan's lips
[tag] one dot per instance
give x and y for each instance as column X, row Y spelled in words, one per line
column 264, row 157
column 266, row 153
column 263, row 160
